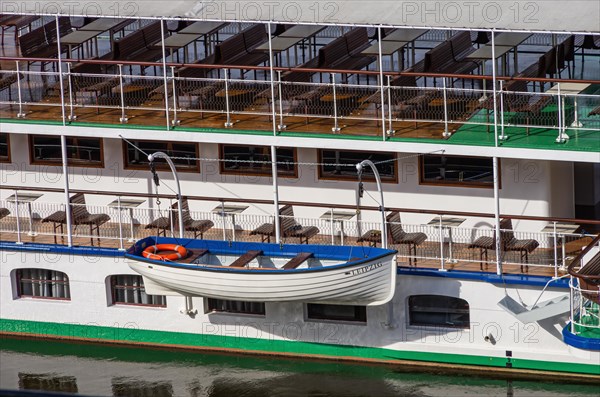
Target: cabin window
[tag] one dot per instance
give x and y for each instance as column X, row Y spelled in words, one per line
column 129, row 290
column 238, row 307
column 81, row 151
column 456, row 171
column 256, row 160
column 336, row 312
column 338, row 164
column 48, row 382
column 4, row 148
column 42, row 283
column 438, row 311
column 183, row 154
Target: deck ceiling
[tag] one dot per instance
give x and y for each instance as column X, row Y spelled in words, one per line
column 578, row 16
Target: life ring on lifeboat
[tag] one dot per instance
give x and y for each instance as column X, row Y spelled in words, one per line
column 179, row 252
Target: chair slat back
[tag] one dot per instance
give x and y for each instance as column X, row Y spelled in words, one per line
column 395, row 230
column 506, row 232
column 185, row 209
column 78, row 210
column 287, row 221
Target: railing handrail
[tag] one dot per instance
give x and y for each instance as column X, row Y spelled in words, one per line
column 291, row 69
column 305, row 204
column 579, row 258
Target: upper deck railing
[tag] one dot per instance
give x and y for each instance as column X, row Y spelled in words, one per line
column 517, row 105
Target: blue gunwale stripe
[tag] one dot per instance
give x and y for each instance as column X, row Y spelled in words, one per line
column 492, row 278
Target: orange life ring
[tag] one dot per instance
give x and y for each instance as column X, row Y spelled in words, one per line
column 151, row 252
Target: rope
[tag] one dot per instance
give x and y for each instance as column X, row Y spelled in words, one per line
column 308, row 164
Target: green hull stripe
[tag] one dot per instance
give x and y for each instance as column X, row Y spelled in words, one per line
column 134, row 335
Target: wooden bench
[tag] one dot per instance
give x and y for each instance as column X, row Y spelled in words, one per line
column 344, row 52
column 7, row 79
column 243, row 260
column 297, row 260
column 239, row 49
column 139, row 45
column 19, row 22
column 595, row 111
column 42, row 42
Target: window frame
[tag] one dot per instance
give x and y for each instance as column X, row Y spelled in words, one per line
column 113, row 301
column 410, row 311
column 365, row 177
column 8, row 157
column 19, row 284
column 209, row 310
column 479, row 185
column 267, row 174
column 70, row 162
column 360, row 315
column 160, row 166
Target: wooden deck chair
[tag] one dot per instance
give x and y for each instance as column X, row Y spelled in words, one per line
column 199, row 227
column 396, row 235
column 288, row 227
column 79, row 216
column 4, row 212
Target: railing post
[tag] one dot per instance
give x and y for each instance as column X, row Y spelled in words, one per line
column 555, row 249
column 384, row 133
column 223, row 215
column 572, row 301
column 446, row 133
column 72, row 115
column 442, row 257
column 164, row 69
column 120, row 210
column 332, row 226
column 280, row 126
column 175, row 120
column 390, row 130
column 123, row 118
column 19, row 241
column 562, row 135
column 336, row 127
column 20, row 114
column 68, row 211
column 228, row 123
column 502, row 137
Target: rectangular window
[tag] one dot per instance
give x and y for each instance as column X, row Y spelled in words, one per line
column 129, row 290
column 81, row 151
column 336, row 312
column 438, row 310
column 42, row 283
column 337, row 164
column 256, row 160
column 4, row 148
column 47, row 382
column 183, row 155
column 240, row 307
column 456, row 171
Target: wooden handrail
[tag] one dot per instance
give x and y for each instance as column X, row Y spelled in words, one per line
column 292, row 69
column 579, row 258
column 305, row 204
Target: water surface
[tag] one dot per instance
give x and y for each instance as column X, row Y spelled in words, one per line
column 99, row 370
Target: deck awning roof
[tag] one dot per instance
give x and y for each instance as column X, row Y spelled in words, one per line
column 577, row 16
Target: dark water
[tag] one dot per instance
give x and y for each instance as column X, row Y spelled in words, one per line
column 98, row 370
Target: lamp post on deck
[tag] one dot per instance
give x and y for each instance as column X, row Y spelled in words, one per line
column 359, row 168
column 162, row 155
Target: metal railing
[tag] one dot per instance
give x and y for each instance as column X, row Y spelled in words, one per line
column 444, row 247
column 341, row 99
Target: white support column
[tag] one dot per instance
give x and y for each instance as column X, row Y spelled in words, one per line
column 497, row 216
column 272, row 78
column 381, row 87
column 63, row 141
column 165, row 81
column 275, row 194
column 60, row 74
column 68, row 210
column 175, row 119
